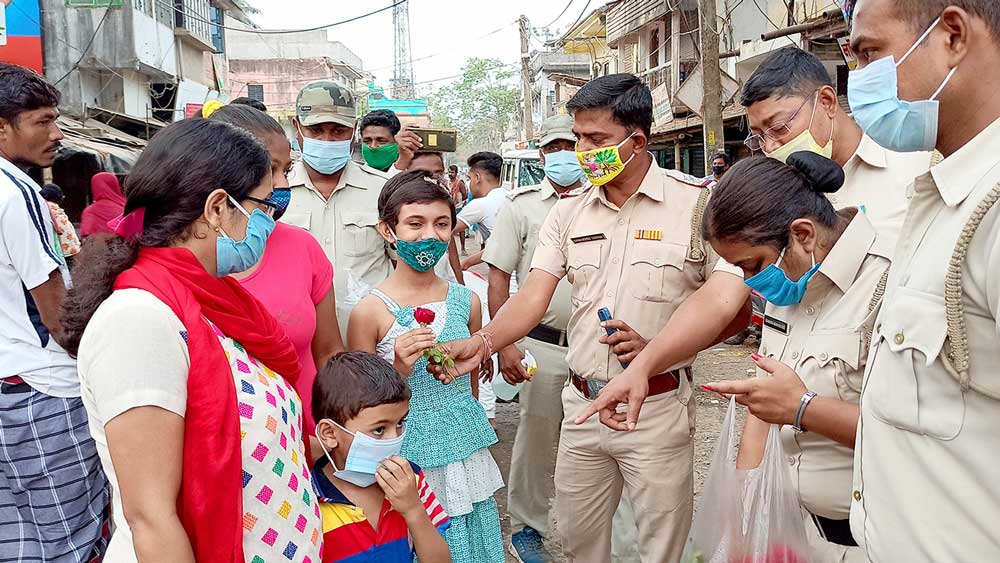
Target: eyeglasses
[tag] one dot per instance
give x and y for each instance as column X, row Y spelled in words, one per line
column 267, row 207
column 776, row 132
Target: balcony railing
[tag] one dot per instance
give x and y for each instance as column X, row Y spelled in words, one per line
column 656, row 76
column 191, row 18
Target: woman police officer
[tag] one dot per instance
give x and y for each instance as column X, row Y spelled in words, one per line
column 823, row 273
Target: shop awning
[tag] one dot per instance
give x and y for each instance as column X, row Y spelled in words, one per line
column 116, row 151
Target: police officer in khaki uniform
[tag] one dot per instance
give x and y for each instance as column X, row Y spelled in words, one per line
column 510, row 251
column 815, row 342
column 335, row 198
column 926, row 458
column 792, row 105
column 626, row 244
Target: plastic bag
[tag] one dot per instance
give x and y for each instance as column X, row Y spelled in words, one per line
column 747, row 516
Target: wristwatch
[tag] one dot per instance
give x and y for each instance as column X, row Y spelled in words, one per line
column 803, row 403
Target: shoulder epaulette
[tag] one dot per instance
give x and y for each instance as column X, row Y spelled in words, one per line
column 511, row 194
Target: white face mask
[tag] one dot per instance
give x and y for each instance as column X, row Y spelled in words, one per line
column 364, row 457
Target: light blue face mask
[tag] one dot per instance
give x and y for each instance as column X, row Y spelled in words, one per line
column 364, row 457
column 895, row 124
column 563, row 168
column 325, row 157
column 773, row 284
column 232, row 256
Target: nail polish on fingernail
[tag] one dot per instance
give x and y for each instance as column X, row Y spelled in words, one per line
column 756, row 357
column 707, row 387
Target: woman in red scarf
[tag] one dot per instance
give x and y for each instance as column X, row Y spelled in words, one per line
column 188, row 380
column 108, row 204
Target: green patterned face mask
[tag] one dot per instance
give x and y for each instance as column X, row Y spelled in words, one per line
column 382, row 157
column 421, row 255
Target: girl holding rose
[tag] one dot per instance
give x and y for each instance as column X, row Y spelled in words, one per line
column 403, row 320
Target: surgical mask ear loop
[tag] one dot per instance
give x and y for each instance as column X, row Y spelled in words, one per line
column 326, row 452
column 920, row 40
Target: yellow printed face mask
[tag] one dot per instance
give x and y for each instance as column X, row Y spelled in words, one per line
column 603, row 164
column 804, row 141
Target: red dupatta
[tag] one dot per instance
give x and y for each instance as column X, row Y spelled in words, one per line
column 210, row 502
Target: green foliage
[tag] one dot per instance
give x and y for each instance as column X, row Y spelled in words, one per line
column 247, row 8
column 481, row 105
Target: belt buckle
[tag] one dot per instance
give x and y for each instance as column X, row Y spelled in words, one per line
column 594, row 387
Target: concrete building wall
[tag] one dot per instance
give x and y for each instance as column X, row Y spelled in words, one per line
column 154, row 43
column 135, row 89
column 66, row 29
column 309, row 45
column 281, row 80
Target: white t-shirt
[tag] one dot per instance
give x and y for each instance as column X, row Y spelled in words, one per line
column 29, row 252
column 483, row 211
column 132, row 355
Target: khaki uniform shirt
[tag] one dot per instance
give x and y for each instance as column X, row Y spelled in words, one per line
column 344, row 225
column 926, row 461
column 876, row 179
column 512, row 244
column 825, row 340
column 612, row 263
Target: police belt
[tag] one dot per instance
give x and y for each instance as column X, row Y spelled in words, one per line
column 835, row 531
column 658, row 384
column 548, row 334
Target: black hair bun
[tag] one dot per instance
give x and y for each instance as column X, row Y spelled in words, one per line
column 825, row 176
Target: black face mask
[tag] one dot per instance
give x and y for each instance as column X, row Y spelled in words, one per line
column 718, row 170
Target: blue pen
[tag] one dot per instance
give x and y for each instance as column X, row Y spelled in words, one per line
column 604, row 314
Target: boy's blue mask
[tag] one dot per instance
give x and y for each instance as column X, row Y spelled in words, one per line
column 364, row 457
column 773, row 284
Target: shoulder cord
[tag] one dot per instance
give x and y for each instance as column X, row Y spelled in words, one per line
column 956, row 357
column 876, row 299
column 697, row 247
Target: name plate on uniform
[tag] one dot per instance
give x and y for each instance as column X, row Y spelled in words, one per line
column 775, row 324
column 588, row 238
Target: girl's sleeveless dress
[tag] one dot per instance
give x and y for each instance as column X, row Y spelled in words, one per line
column 448, row 435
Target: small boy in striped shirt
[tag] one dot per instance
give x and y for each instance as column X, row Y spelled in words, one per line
column 376, row 506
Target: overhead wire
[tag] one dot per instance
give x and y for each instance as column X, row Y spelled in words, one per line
column 554, row 20
column 277, row 31
column 83, row 53
column 768, row 18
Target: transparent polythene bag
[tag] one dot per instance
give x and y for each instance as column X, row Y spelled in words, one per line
column 747, row 516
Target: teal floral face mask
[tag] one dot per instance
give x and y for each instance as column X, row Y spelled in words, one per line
column 421, row 255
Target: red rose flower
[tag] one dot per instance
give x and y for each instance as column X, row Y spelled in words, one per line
column 423, row 316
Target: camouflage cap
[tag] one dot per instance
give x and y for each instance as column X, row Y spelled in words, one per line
column 555, row 128
column 325, row 101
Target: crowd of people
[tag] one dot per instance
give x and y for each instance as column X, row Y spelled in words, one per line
column 255, row 358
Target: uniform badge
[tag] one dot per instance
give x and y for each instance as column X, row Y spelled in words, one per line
column 648, row 234
column 588, row 238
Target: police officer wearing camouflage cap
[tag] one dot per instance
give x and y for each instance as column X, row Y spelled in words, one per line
column 333, row 197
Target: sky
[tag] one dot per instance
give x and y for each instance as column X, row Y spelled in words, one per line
column 443, row 33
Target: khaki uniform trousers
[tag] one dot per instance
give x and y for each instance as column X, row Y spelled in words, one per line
column 654, row 464
column 823, row 551
column 533, row 459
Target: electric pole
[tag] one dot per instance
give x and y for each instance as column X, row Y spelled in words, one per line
column 529, row 129
column 714, row 138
